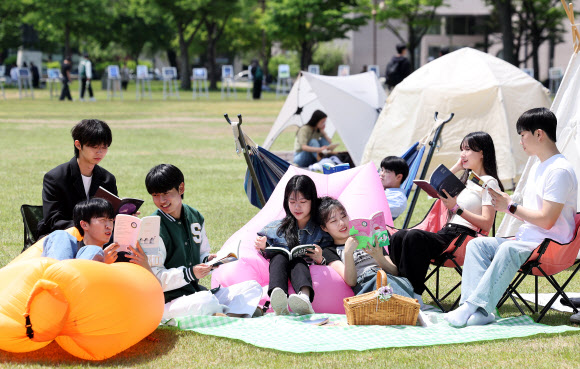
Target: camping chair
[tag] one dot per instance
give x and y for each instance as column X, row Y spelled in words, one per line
column 548, row 259
column 413, row 157
column 264, row 168
column 452, row 257
column 31, row 215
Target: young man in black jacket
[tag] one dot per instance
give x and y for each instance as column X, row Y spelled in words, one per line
column 77, row 180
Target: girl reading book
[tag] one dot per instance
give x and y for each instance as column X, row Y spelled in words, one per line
column 299, row 226
column 358, row 268
column 311, row 140
column 469, row 212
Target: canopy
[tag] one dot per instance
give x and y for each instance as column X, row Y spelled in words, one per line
column 352, row 104
column 485, row 93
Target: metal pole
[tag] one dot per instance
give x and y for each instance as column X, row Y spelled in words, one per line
column 248, row 161
column 432, row 143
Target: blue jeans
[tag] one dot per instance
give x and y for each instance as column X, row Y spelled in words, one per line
column 489, row 267
column 368, row 283
column 61, row 245
column 305, row 158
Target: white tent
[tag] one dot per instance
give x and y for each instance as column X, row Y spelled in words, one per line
column 566, row 106
column 485, row 93
column 352, row 104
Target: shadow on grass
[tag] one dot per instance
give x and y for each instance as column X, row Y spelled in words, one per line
column 156, row 345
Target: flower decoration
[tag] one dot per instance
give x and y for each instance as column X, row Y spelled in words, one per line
column 384, row 293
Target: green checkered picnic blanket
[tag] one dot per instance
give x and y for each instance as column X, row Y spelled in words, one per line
column 288, row 333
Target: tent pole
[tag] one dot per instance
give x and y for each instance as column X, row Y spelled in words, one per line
column 248, row 161
column 432, row 143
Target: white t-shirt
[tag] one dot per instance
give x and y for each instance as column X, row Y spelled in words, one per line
column 87, row 184
column 473, row 198
column 553, row 180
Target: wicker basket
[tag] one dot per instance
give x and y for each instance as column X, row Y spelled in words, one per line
column 367, row 309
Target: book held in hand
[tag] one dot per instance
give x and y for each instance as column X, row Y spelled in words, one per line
column 297, row 252
column 441, row 179
column 366, row 230
column 129, row 229
column 125, row 205
column 225, row 257
column 477, row 180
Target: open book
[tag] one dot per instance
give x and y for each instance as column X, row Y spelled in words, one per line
column 129, row 229
column 125, row 205
column 365, row 231
column 297, row 252
column 225, row 257
column 441, row 179
column 477, row 180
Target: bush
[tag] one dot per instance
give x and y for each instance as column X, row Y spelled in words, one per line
column 329, row 57
column 290, row 58
column 52, row 65
column 10, row 60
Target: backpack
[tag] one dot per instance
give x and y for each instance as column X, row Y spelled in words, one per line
column 258, row 74
column 392, row 74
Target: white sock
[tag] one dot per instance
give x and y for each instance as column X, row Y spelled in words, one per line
column 478, row 318
column 459, row 316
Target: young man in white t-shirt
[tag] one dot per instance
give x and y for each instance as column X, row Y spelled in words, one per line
column 548, row 209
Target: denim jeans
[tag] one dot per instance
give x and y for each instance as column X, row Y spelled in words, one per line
column 61, row 245
column 489, row 267
column 368, row 283
column 306, row 158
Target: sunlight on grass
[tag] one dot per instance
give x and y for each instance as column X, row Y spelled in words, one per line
column 193, row 135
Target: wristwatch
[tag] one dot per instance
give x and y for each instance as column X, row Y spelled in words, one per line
column 512, row 207
column 459, row 211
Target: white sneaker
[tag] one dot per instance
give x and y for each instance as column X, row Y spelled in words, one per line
column 81, row 99
column 300, row 304
column 92, row 99
column 279, row 301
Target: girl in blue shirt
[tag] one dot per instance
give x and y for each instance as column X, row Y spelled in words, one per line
column 299, row 226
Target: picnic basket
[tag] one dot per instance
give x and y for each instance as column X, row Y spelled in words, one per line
column 367, row 309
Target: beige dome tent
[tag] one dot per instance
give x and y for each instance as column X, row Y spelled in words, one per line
column 485, row 93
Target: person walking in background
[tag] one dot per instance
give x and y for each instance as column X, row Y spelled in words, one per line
column 35, row 75
column 86, row 75
column 65, row 71
column 257, row 75
column 398, row 68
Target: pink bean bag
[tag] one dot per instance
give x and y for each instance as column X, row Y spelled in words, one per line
column 360, row 191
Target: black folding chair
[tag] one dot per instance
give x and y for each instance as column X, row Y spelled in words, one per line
column 31, row 215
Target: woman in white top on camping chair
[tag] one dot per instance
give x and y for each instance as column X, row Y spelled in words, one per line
column 411, row 250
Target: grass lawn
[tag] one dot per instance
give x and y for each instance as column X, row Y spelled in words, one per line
column 35, row 137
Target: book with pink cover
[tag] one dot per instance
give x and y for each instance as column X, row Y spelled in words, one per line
column 365, row 230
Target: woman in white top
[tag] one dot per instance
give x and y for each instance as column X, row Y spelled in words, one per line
column 411, row 250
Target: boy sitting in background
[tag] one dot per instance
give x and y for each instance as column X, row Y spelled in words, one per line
column 183, row 251
column 394, row 170
column 94, row 219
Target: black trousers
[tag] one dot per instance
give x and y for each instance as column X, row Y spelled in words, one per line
column 411, row 250
column 257, row 90
column 281, row 267
column 65, row 92
column 83, row 87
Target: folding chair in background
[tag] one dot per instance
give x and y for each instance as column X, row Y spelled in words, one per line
column 31, row 215
column 547, row 260
column 452, row 257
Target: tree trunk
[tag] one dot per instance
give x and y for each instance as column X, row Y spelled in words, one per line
column 66, row 40
column 413, row 43
column 265, row 49
column 211, row 54
column 536, row 59
column 184, row 71
column 505, row 12
column 306, row 55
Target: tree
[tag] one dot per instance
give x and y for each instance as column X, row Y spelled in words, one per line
column 11, row 13
column 416, row 15
column 61, row 19
column 186, row 18
column 542, row 21
column 301, row 25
